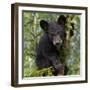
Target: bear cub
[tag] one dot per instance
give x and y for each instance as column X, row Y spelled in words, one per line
column 47, row 53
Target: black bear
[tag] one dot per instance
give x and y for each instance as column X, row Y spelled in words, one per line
column 49, row 46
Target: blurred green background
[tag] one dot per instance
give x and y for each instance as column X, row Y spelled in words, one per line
column 32, row 33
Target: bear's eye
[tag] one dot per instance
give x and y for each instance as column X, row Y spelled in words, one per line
column 58, row 32
column 52, row 34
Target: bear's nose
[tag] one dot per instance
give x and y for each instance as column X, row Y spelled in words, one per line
column 57, row 43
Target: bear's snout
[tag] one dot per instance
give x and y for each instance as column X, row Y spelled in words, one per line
column 57, row 41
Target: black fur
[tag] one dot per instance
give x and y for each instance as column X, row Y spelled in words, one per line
column 50, row 45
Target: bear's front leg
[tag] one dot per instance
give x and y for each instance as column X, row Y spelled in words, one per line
column 59, row 69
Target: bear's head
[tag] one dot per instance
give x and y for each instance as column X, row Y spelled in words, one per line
column 55, row 30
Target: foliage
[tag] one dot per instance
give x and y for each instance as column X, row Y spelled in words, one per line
column 32, row 33
column 73, row 43
column 43, row 72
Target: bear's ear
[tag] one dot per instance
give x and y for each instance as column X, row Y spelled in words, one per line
column 61, row 20
column 44, row 25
